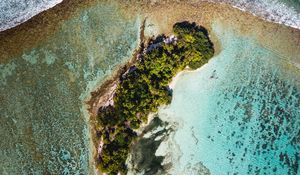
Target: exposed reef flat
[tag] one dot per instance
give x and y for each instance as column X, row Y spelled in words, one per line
column 42, row 26
column 254, row 55
column 47, row 26
column 238, row 114
column 45, row 122
column 279, row 11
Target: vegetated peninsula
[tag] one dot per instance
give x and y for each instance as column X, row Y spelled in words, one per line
column 144, row 87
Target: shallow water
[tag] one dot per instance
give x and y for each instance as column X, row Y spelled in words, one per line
column 219, row 120
column 239, row 114
column 44, row 123
column 12, row 12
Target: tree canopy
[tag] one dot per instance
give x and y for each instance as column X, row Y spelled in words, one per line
column 143, row 89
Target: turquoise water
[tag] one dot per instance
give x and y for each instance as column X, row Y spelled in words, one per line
column 239, row 114
column 44, row 123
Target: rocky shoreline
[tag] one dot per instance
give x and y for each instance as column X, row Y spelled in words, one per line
column 140, row 87
column 13, row 39
column 103, row 96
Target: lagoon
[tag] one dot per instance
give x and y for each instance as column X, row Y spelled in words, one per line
column 239, row 114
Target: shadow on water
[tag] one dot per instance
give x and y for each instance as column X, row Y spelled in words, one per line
column 142, row 157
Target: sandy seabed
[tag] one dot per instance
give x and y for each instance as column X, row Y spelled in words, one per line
column 160, row 17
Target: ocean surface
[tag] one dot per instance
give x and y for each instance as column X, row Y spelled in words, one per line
column 238, row 114
column 43, row 116
column 285, row 12
column 13, row 12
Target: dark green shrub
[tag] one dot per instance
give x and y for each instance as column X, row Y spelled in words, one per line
column 143, row 90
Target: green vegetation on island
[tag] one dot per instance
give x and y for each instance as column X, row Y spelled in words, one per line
column 144, row 87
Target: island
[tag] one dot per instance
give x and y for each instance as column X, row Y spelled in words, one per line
column 143, row 87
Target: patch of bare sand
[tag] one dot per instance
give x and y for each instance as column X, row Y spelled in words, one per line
column 161, row 17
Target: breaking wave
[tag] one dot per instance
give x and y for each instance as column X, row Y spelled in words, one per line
column 285, row 12
column 15, row 12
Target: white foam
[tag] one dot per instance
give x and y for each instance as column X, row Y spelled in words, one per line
column 15, row 12
column 276, row 11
